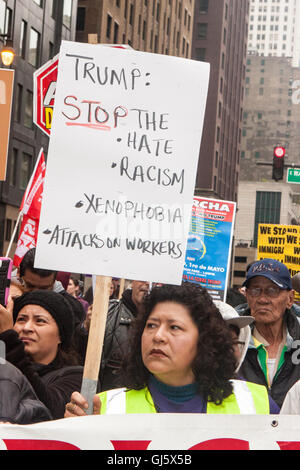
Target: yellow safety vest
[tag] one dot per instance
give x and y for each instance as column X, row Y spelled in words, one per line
column 247, row 398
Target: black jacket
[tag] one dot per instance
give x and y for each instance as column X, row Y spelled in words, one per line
column 18, row 402
column 289, row 373
column 120, row 317
column 121, row 314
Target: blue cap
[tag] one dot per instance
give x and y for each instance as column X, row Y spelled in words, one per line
column 271, row 269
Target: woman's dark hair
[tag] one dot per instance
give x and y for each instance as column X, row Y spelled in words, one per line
column 214, row 364
column 75, row 280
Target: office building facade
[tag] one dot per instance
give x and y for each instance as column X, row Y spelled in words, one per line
column 220, row 38
column 36, row 28
column 163, row 27
column 274, row 29
column 271, row 115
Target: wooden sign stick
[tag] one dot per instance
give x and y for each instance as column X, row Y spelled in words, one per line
column 121, row 288
column 95, row 340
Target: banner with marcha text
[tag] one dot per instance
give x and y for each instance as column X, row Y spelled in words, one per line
column 208, row 252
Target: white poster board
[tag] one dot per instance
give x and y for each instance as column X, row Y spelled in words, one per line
column 122, row 163
column 153, row 432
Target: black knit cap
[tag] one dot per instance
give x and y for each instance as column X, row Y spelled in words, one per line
column 56, row 305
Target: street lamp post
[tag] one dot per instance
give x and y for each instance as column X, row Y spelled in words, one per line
column 7, row 52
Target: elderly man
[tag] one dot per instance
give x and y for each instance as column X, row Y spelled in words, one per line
column 271, row 358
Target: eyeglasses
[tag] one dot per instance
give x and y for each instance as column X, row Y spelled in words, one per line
column 271, row 291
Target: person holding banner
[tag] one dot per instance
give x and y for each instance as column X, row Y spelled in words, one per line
column 181, row 360
column 37, row 329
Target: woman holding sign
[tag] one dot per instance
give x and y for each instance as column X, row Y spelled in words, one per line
column 181, row 361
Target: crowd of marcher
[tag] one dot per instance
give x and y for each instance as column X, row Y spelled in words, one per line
column 166, row 348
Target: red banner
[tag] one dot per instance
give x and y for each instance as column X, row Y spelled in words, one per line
column 30, row 209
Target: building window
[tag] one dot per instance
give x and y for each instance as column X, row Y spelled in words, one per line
column 201, row 30
column 13, row 168
column 131, row 14
column 223, row 60
column 217, row 159
column 34, row 47
column 108, row 26
column 80, row 23
column 28, row 110
column 8, row 16
column 267, row 210
column 18, row 106
column 224, row 36
column 158, row 12
column 51, row 50
column 67, row 13
column 239, row 274
column 23, row 37
column 116, row 33
column 204, row 6
column 8, row 225
column 25, row 170
column 200, row 53
column 240, row 259
column 2, row 16
column 156, row 43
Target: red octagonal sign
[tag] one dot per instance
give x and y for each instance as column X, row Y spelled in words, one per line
column 44, row 85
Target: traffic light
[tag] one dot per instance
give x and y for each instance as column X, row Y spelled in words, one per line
column 278, row 163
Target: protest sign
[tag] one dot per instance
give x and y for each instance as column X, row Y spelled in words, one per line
column 122, row 162
column 209, row 245
column 6, row 93
column 281, row 242
column 155, row 432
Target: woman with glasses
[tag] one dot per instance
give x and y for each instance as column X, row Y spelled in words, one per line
column 271, row 359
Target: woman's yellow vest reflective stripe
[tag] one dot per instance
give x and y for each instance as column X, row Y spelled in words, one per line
column 248, row 398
